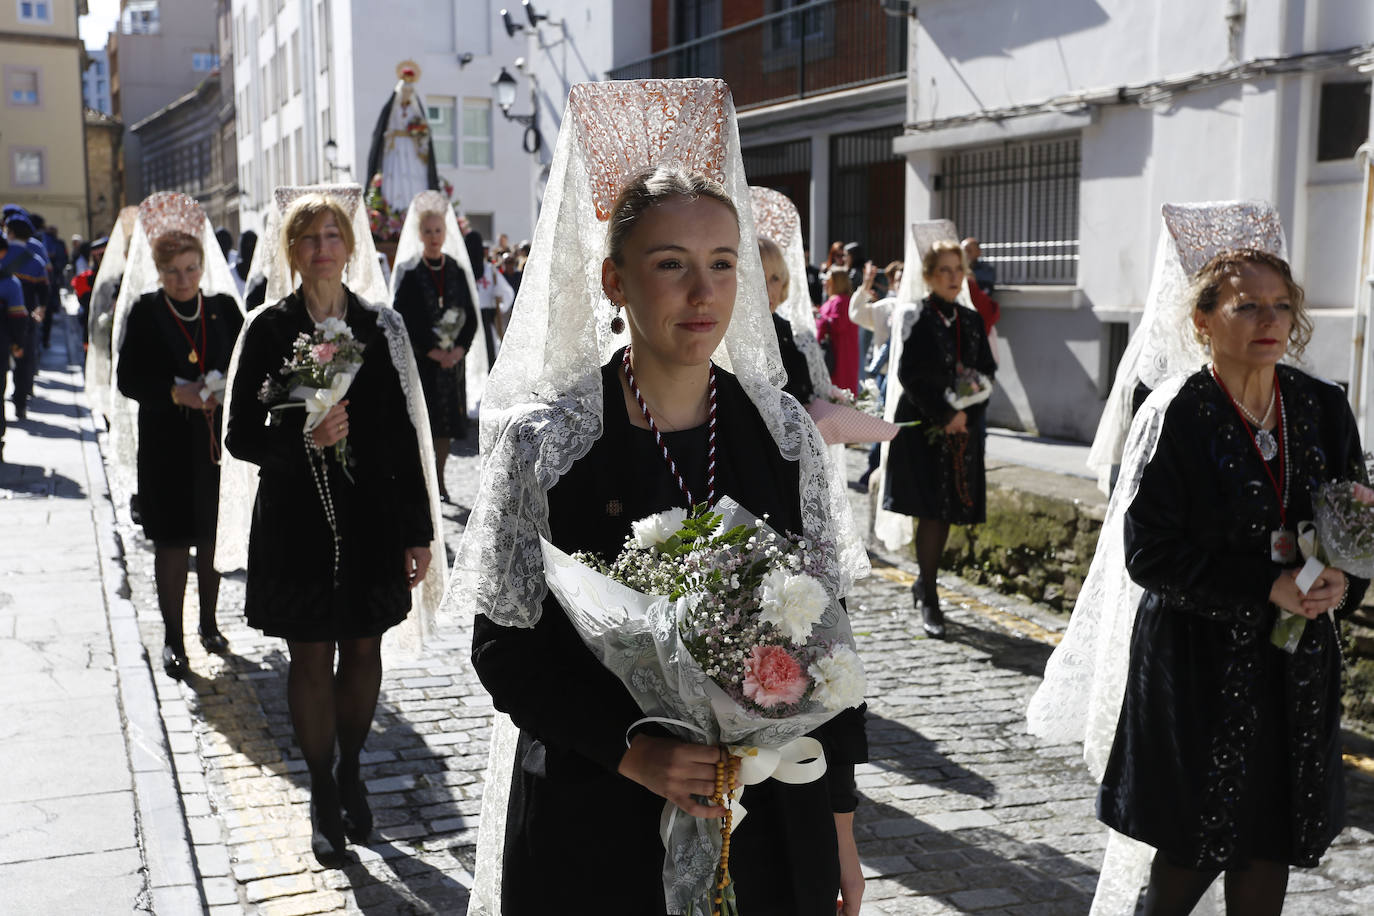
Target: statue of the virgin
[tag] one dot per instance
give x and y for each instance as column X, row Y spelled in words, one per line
column 400, row 162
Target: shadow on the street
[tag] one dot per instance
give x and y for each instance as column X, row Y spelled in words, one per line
column 257, row 720
column 898, row 748
column 35, row 480
column 977, row 862
column 42, row 405
column 1006, row 650
column 35, row 427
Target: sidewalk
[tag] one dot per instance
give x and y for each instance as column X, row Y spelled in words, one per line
column 90, row 818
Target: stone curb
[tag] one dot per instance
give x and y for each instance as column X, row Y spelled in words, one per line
column 165, row 844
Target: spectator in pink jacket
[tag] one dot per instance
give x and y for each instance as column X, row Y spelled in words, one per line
column 837, row 333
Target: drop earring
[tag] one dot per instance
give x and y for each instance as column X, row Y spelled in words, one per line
column 617, row 322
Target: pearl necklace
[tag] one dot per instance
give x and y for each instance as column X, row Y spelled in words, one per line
column 186, row 318
column 1264, row 439
column 663, row 446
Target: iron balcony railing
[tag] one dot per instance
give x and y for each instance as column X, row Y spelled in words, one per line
column 807, row 50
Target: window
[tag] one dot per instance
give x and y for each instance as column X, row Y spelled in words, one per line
column 1021, row 200
column 295, row 63
column 140, row 17
column 793, row 29
column 443, row 129
column 322, row 34
column 286, row 160
column 1343, row 121
column 27, row 169
column 37, row 12
column 203, row 62
column 300, row 155
column 477, row 133
column 21, row 87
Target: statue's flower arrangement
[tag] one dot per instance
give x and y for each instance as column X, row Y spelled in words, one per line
column 385, row 221
column 722, row 630
column 418, row 129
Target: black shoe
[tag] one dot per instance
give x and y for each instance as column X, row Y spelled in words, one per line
column 357, row 814
column 21, row 410
column 173, row 663
column 214, row 642
column 443, row 497
column 932, row 618
column 327, row 839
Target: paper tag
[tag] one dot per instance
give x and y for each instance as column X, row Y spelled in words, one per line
column 1283, row 546
column 1310, row 572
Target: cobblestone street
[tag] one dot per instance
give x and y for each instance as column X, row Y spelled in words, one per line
column 962, row 811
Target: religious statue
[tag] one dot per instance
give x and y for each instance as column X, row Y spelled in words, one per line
column 400, row 162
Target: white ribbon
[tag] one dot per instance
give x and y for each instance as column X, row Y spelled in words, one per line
column 796, row 763
column 1309, row 544
column 212, row 383
column 319, row 401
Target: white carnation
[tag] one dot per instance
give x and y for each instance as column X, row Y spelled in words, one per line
column 792, row 603
column 839, row 679
column 334, row 328
column 654, row 530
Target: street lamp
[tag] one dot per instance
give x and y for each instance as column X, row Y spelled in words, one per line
column 331, row 159
column 505, row 86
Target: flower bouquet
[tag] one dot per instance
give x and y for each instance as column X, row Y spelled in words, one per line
column 970, row 387
column 450, row 324
column 843, row 417
column 418, row 129
column 318, row 373
column 721, row 630
column 1342, row 535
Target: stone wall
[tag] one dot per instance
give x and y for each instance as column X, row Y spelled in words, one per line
column 1039, row 537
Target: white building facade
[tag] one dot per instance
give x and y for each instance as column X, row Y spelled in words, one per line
column 308, row 72
column 1054, row 129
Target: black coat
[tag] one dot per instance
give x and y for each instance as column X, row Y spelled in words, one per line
column 417, row 301
column 943, row 479
column 178, row 448
column 573, row 713
column 291, row 590
column 794, row 361
column 1228, row 748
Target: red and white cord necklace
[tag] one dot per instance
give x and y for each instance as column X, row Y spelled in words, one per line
column 663, row 446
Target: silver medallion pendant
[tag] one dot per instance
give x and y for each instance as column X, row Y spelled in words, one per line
column 1266, row 443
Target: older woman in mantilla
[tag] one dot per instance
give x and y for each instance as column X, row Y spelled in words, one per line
column 1227, row 752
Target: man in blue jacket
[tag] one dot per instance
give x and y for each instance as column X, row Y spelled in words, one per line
column 31, row 269
column 14, row 330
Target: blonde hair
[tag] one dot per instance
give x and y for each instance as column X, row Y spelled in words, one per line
column 171, row 245
column 839, row 281
column 932, row 257
column 1206, row 290
column 651, row 188
column 304, row 213
column 771, row 256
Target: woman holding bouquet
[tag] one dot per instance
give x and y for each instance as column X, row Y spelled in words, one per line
column 1227, row 751
column 935, row 470
column 173, row 338
column 572, row 454
column 434, row 294
column 341, row 526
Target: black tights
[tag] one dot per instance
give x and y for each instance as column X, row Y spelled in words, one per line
column 329, row 706
column 931, row 535
column 1257, row 890
column 441, row 444
column 170, row 567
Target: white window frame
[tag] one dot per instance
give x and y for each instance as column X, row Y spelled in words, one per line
column 463, row 138
column 450, row 104
column 34, row 17
column 41, row 153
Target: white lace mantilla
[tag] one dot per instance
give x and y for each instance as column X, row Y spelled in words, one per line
column 894, row 529
column 100, row 312
column 777, row 219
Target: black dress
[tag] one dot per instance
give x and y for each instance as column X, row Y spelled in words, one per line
column 943, row 479
column 417, row 300
column 384, row 509
column 178, row 447
column 1228, row 748
column 573, row 821
column 794, row 361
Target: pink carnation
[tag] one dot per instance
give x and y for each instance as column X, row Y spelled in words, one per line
column 772, row 676
column 324, row 352
column 1363, row 494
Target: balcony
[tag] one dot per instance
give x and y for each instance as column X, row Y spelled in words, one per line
column 808, row 50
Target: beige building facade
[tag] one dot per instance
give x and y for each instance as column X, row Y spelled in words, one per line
column 42, row 148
